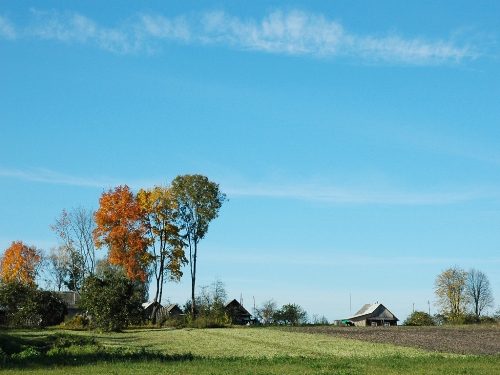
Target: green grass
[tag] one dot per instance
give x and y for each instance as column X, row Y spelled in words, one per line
column 220, row 351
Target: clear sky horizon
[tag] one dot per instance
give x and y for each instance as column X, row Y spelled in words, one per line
column 358, row 143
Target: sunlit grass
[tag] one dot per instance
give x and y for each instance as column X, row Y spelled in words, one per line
column 252, row 343
column 237, row 350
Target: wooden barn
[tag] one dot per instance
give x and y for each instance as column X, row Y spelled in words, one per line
column 174, row 310
column 237, row 313
column 374, row 315
column 148, row 310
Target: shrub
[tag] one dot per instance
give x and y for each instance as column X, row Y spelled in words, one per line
column 112, row 303
column 76, row 322
column 27, row 306
column 419, row 318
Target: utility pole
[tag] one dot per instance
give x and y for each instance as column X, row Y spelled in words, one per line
column 429, row 303
column 350, row 308
column 413, row 306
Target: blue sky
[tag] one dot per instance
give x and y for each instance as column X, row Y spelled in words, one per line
column 357, row 143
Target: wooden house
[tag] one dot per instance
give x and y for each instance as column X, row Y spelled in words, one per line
column 237, row 313
column 374, row 315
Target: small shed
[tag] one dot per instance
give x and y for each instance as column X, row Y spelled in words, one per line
column 374, row 314
column 237, row 313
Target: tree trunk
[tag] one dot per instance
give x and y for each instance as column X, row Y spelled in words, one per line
column 193, row 283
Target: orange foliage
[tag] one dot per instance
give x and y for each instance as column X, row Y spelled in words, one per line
column 20, row 263
column 120, row 227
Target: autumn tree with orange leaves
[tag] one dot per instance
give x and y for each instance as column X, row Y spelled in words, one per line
column 120, row 226
column 20, row 263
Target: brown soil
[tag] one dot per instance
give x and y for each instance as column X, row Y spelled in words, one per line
column 458, row 340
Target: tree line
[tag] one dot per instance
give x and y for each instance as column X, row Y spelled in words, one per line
column 462, row 297
column 147, row 236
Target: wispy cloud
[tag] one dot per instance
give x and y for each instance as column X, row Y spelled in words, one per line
column 354, row 195
column 310, row 192
column 49, row 176
column 298, row 32
column 327, row 259
column 7, row 29
column 293, row 33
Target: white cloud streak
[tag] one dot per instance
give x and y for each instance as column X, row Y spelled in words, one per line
column 7, row 29
column 343, row 195
column 292, row 33
column 49, row 176
column 311, row 192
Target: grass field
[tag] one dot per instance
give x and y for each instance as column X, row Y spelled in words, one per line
column 222, row 351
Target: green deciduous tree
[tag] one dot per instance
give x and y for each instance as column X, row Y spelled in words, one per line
column 419, row 318
column 113, row 302
column 290, row 314
column 198, row 202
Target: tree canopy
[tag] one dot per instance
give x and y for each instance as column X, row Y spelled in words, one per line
column 198, row 202
column 20, row 263
column 120, row 226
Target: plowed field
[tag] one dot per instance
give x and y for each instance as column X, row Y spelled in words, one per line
column 458, row 340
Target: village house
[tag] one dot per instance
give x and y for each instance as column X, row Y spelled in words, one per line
column 237, row 313
column 70, row 300
column 374, row 314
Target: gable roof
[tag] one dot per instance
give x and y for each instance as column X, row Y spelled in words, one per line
column 172, row 307
column 372, row 310
column 146, row 305
column 235, row 305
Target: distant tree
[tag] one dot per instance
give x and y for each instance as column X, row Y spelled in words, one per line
column 21, row 263
column 320, row 320
column 265, row 311
column 198, row 202
column 165, row 245
column 210, row 302
column 450, row 287
column 58, row 263
column 120, row 226
column 75, row 229
column 290, row 314
column 113, row 303
column 419, row 318
column 479, row 292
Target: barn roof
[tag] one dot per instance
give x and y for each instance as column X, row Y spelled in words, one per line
column 146, row 305
column 173, row 306
column 369, row 309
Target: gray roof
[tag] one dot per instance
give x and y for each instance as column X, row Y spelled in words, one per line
column 173, row 306
column 369, row 309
